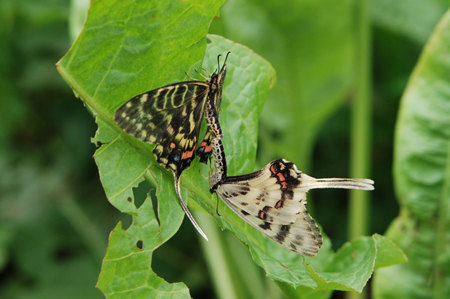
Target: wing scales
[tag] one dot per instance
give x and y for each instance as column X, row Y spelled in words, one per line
column 169, row 116
column 302, row 236
column 273, row 201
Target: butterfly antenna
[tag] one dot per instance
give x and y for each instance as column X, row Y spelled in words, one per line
column 186, row 210
column 226, row 57
column 218, row 62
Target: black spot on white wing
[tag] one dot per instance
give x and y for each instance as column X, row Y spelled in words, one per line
column 263, row 204
column 292, row 247
column 260, row 196
column 287, row 194
column 298, row 237
column 243, row 190
column 305, row 235
column 285, row 221
column 314, row 228
column 282, row 233
column 265, row 226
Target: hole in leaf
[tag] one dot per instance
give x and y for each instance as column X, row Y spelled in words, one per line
column 140, row 244
column 152, row 193
column 140, row 193
column 126, row 220
column 129, row 199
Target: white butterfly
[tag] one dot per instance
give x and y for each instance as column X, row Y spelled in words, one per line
column 273, row 201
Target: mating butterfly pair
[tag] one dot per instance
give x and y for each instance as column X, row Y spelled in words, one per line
column 272, row 199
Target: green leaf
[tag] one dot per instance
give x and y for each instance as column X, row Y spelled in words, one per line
column 422, row 178
column 124, row 49
column 388, row 253
column 414, row 19
column 352, row 266
column 126, row 267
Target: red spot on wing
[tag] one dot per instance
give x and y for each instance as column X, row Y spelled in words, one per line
column 279, row 204
column 172, row 145
column 272, row 169
column 208, row 148
column 281, row 177
column 188, row 154
column 262, row 215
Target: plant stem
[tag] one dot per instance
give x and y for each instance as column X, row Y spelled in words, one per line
column 216, row 258
column 361, row 123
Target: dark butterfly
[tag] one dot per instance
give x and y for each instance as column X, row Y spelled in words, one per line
column 171, row 117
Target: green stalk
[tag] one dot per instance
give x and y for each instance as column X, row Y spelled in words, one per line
column 361, row 123
column 216, row 258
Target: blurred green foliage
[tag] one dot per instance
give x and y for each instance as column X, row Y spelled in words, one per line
column 422, row 178
column 54, row 216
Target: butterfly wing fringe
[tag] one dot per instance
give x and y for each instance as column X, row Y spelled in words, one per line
column 186, row 210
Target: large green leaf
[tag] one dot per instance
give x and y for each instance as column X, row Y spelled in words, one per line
column 422, row 177
column 127, row 49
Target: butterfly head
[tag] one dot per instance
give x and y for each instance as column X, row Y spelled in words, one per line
column 218, row 77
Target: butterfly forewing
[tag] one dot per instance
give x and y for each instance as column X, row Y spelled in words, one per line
column 169, row 116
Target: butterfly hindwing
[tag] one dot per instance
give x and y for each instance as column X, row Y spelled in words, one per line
column 270, row 201
column 170, row 117
column 302, row 236
column 205, row 148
